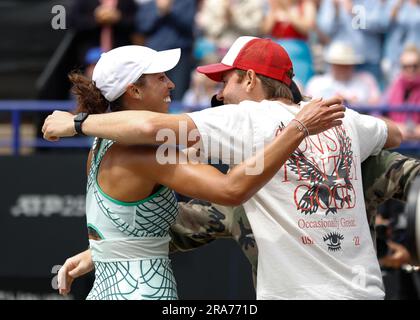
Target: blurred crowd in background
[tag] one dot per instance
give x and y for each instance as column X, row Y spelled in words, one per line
column 366, row 51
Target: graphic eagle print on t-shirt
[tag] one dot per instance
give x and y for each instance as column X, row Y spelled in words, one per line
column 326, row 191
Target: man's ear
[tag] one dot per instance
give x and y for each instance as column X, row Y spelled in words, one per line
column 251, row 80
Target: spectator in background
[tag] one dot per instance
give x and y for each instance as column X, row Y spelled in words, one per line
column 91, row 58
column 406, row 90
column 223, row 21
column 101, row 23
column 168, row 24
column 403, row 18
column 202, row 89
column 392, row 242
column 289, row 22
column 359, row 22
column 342, row 79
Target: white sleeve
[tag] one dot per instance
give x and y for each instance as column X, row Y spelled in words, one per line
column 372, row 133
column 227, row 132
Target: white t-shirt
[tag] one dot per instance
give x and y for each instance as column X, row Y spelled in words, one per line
column 310, row 220
column 361, row 88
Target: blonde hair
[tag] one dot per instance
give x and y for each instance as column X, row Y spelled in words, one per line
column 411, row 48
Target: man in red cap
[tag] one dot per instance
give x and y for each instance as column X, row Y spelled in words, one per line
column 309, row 221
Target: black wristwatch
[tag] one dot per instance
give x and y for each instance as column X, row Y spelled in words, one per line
column 78, row 120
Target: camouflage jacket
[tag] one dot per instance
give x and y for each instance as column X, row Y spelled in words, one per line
column 385, row 176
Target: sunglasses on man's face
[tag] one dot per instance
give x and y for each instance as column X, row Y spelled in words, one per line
column 414, row 66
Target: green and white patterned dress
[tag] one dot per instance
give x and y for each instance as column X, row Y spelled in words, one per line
column 131, row 255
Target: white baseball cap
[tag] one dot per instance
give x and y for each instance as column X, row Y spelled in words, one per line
column 119, row 67
column 342, row 53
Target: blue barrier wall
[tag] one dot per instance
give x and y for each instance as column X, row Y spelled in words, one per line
column 19, row 107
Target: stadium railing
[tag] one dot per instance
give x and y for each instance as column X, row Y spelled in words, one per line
column 16, row 108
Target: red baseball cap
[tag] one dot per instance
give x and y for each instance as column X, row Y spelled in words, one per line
column 264, row 56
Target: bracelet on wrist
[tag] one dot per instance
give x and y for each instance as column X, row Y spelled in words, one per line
column 301, row 127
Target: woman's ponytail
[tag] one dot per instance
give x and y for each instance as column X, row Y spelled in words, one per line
column 89, row 97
